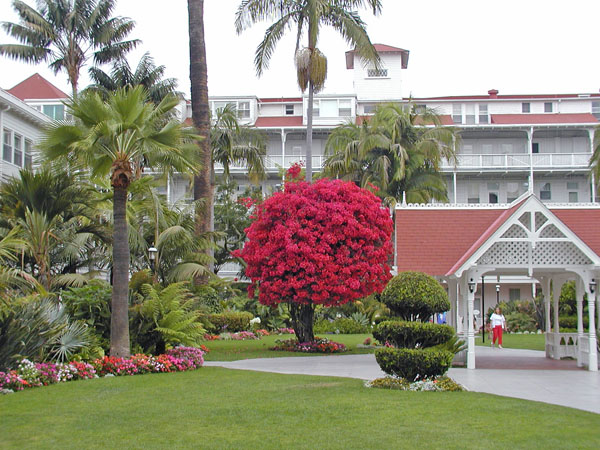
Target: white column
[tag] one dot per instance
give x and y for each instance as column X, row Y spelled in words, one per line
column 283, row 137
column 579, row 291
column 545, row 283
column 555, row 295
column 470, row 330
column 454, row 187
column 452, row 296
column 530, row 150
column 169, row 200
column 593, row 355
column 593, row 179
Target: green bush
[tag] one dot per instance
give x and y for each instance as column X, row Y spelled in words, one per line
column 413, row 334
column 414, row 364
column 571, row 322
column 415, row 296
column 341, row 326
column 230, row 322
column 518, row 321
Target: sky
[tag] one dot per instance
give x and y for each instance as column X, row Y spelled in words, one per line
column 461, row 47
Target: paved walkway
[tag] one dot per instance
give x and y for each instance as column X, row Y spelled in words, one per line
column 574, row 388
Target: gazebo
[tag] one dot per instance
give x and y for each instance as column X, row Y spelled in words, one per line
column 548, row 244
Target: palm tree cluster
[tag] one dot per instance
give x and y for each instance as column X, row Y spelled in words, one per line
column 397, row 153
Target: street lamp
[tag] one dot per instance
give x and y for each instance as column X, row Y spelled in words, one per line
column 152, row 251
column 592, row 286
column 497, row 294
column 472, row 285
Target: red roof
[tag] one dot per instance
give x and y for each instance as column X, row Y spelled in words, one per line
column 507, row 97
column 444, row 119
column 280, row 100
column 381, row 48
column 280, row 121
column 512, row 119
column 438, row 241
column 37, row 87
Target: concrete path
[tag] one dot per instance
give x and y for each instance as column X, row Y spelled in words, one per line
column 578, row 389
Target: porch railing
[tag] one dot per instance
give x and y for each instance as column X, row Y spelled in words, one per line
column 562, row 345
column 520, row 161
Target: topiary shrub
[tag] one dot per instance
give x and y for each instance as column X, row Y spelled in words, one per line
column 414, row 364
column 415, row 296
column 231, row 322
column 413, row 334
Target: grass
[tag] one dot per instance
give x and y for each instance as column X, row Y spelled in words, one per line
column 234, row 350
column 520, row 341
column 220, row 408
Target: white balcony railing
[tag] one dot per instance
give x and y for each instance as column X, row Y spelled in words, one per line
column 276, row 162
column 521, row 161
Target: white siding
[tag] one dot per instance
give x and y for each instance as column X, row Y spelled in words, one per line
column 388, row 88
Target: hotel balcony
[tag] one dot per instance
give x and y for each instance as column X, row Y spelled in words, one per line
column 520, row 161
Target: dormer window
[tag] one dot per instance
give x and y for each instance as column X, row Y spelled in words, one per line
column 456, row 113
column 56, row 112
column 525, row 107
column 377, row 73
column 483, row 113
column 596, row 110
column 243, row 110
column 289, row 110
column 548, row 107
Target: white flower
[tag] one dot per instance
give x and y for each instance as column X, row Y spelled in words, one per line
column 255, row 320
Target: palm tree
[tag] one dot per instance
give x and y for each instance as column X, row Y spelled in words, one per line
column 67, row 33
column 235, row 144
column 119, row 137
column 397, row 153
column 203, row 188
column 146, row 74
column 308, row 16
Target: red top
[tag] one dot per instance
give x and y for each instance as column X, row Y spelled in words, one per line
column 37, row 87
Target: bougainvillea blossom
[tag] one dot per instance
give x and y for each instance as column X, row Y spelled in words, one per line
column 325, row 243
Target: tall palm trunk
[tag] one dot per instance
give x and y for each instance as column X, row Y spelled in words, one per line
column 203, row 188
column 309, row 127
column 119, row 321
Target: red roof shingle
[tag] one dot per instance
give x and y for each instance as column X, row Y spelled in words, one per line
column 279, row 121
column 516, row 119
column 37, row 87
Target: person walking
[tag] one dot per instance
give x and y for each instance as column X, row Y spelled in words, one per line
column 498, row 325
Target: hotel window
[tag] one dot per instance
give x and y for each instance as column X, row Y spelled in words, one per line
column 546, row 192
column 220, row 106
column 377, row 73
column 493, row 189
column 7, row 149
column 243, row 110
column 525, row 107
column 57, row 112
column 345, row 108
column 18, row 150
column 420, row 109
column 316, row 107
column 470, row 114
column 548, row 107
column 483, row 113
column 596, row 110
column 289, row 110
column 456, row 113
column 535, row 147
column 28, row 155
column 473, row 193
column 514, row 294
column 512, row 191
column 369, row 108
column 328, row 108
column 573, row 188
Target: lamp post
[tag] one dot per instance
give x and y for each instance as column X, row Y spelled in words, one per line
column 152, row 252
column 483, row 309
column 497, row 294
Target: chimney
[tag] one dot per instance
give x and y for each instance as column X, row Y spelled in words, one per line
column 493, row 93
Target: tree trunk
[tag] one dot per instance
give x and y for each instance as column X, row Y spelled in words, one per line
column 200, row 115
column 309, row 127
column 119, row 319
column 302, row 321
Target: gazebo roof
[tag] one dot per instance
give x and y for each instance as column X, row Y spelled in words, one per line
column 439, row 239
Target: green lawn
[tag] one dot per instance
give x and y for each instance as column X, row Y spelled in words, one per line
column 220, row 408
column 233, row 350
column 522, row 341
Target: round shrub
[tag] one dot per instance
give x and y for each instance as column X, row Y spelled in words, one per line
column 413, row 364
column 415, row 296
column 230, row 322
column 413, row 334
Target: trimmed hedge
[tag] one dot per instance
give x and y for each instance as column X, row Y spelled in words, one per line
column 415, row 296
column 230, row 322
column 413, row 334
column 342, row 326
column 414, row 364
column 571, row 321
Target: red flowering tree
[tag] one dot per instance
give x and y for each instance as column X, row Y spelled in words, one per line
column 325, row 243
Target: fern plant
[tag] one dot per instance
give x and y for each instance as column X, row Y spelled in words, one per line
column 166, row 317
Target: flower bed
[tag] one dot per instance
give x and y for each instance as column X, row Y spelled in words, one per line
column 29, row 374
column 317, row 346
column 439, row 384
